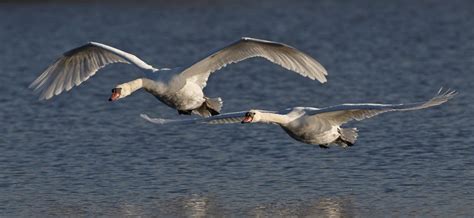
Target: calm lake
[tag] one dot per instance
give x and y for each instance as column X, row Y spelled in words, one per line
column 80, row 155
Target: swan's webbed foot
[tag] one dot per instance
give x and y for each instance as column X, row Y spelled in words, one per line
column 324, row 146
column 349, row 143
column 213, row 112
column 188, row 112
column 343, row 143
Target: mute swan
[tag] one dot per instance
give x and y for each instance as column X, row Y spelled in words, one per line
column 320, row 126
column 179, row 88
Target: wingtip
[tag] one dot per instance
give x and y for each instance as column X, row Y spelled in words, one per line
column 144, row 116
column 448, row 93
column 443, row 96
column 31, row 86
column 154, row 120
column 44, row 98
column 36, row 91
column 321, row 79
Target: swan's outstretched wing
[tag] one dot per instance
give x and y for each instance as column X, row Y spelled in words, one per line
column 77, row 65
column 233, row 117
column 340, row 114
column 278, row 53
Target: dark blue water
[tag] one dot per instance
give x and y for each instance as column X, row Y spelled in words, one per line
column 82, row 155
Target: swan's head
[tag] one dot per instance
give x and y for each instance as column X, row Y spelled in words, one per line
column 252, row 116
column 120, row 91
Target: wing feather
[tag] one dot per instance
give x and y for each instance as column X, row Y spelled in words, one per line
column 278, row 53
column 233, row 117
column 78, row 65
column 344, row 113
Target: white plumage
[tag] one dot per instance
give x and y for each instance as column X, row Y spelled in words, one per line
column 178, row 88
column 321, row 126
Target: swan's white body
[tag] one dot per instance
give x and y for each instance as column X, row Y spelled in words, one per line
column 320, row 126
column 179, row 88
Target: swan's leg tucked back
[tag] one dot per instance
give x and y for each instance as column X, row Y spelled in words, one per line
column 210, row 107
column 188, row 112
column 347, row 137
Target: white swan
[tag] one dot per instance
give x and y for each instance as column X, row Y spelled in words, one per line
column 179, row 88
column 320, row 126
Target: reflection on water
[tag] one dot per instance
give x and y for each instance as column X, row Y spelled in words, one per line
column 189, row 206
column 198, row 206
column 324, row 207
column 130, row 210
column 205, row 206
column 329, row 207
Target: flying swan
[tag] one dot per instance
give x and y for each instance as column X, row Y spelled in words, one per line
column 319, row 126
column 179, row 88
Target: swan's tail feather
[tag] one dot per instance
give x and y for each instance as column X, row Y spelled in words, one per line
column 348, row 137
column 211, row 107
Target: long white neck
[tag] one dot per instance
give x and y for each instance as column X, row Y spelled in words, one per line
column 147, row 84
column 135, row 85
column 274, row 118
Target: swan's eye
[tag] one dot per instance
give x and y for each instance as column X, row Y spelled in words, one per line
column 116, row 90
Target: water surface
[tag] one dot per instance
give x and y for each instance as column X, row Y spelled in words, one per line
column 82, row 155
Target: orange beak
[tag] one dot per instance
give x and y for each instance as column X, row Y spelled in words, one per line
column 115, row 94
column 247, row 119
